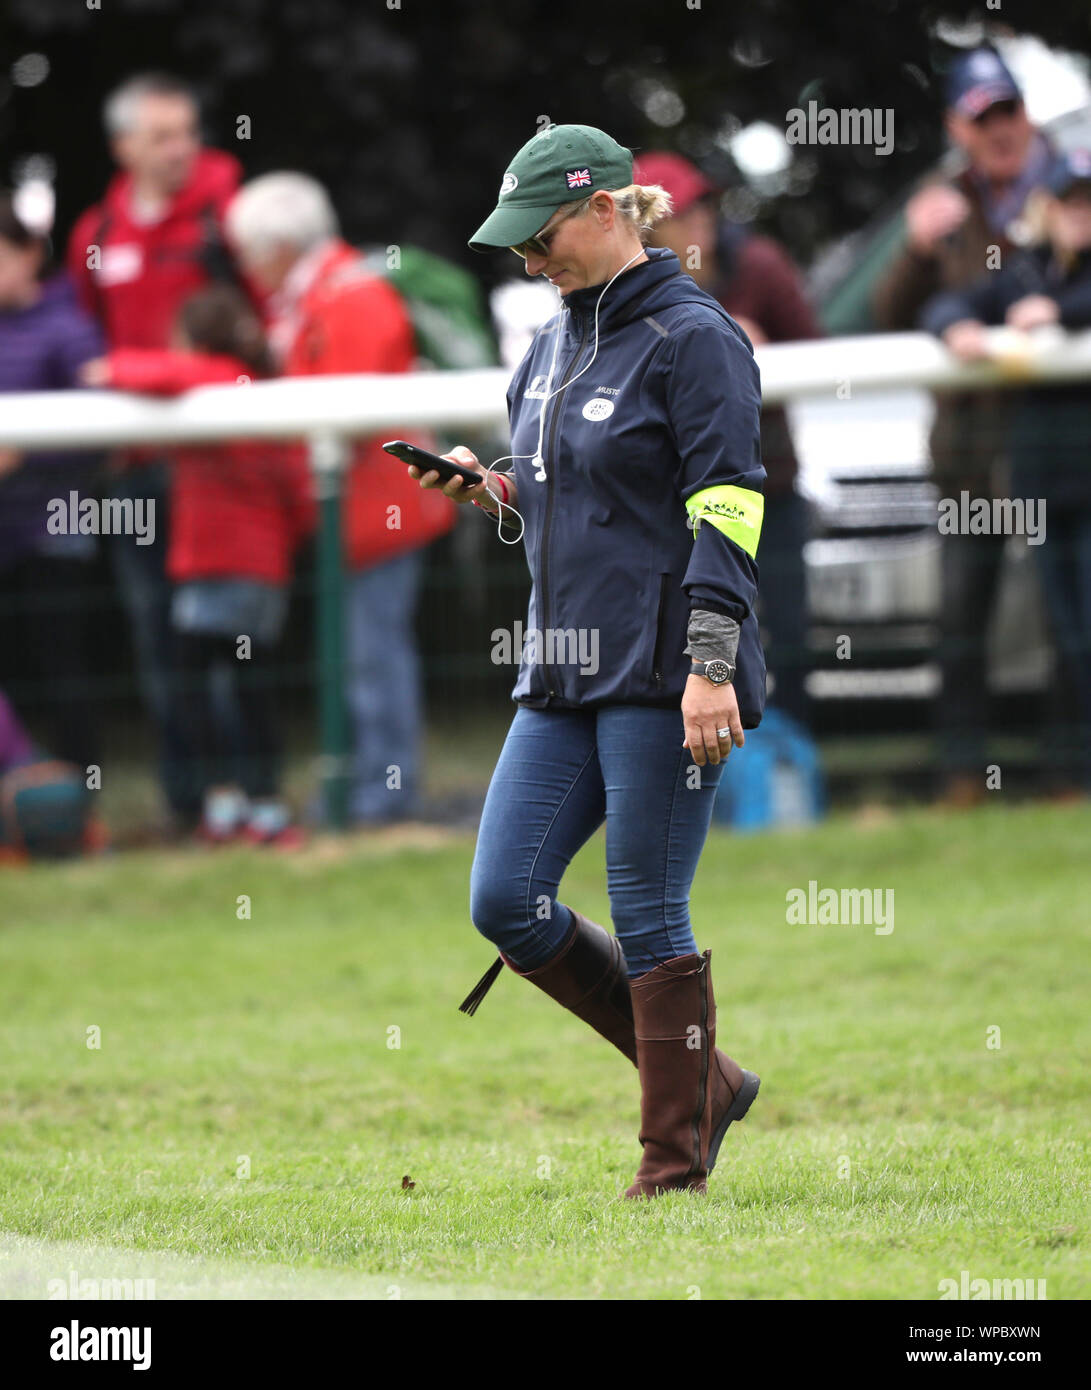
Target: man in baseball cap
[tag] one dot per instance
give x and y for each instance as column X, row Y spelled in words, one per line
column 979, row 80
column 987, row 119
column 558, row 165
column 953, row 226
column 955, row 221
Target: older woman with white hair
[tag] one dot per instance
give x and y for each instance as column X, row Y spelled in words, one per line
column 332, row 314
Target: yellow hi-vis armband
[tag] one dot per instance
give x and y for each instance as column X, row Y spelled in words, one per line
column 736, row 511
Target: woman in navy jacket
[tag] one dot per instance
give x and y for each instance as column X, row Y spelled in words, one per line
column 637, row 478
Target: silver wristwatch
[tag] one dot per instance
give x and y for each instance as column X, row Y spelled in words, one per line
column 718, row 672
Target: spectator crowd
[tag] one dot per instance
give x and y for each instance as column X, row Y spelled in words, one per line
column 179, row 278
column 184, row 276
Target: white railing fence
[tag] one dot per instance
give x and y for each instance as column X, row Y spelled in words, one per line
column 349, row 406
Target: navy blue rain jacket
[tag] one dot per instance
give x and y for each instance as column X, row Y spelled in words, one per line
column 670, row 407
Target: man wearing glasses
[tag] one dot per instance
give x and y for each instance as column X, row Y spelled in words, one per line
column 950, row 226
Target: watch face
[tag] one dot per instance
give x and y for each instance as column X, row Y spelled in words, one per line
column 718, row 672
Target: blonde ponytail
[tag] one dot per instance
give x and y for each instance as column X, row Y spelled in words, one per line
column 643, row 205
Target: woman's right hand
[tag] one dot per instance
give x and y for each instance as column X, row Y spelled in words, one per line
column 454, row 487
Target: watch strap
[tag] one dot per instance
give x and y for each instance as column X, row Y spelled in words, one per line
column 698, row 668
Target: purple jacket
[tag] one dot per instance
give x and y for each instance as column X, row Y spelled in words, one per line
column 41, row 349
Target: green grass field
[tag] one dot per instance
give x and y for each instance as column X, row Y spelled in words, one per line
column 891, row 1147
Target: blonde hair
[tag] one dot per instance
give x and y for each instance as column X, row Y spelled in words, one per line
column 641, row 205
column 1032, row 224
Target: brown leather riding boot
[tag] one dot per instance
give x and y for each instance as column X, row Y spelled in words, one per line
column 588, row 977
column 683, row 1081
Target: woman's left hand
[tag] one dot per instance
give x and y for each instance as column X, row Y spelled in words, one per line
column 706, row 708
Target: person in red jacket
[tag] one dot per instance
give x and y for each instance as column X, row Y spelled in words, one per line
column 135, row 257
column 238, row 512
column 156, row 237
column 331, row 314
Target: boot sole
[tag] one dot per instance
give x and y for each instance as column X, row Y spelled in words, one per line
column 739, row 1106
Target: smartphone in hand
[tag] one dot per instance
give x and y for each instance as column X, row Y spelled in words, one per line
column 422, row 459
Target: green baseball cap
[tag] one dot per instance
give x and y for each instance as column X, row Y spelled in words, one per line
column 558, row 165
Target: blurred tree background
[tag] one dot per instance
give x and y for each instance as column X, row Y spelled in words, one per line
column 409, row 110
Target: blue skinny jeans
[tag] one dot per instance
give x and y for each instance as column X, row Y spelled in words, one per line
column 559, row 775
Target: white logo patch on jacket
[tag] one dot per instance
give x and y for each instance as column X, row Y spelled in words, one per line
column 598, row 408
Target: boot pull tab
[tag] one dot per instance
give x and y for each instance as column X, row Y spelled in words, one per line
column 475, row 996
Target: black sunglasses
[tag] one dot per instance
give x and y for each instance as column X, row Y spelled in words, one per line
column 539, row 244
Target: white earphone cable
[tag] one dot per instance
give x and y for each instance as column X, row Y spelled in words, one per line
column 536, row 457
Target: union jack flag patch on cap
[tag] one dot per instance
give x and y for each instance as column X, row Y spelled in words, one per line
column 578, row 178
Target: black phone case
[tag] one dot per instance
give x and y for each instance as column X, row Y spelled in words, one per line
column 422, row 459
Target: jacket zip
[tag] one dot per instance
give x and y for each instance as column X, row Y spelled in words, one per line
column 543, row 551
column 657, row 653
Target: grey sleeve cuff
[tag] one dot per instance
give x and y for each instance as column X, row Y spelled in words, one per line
column 712, row 636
